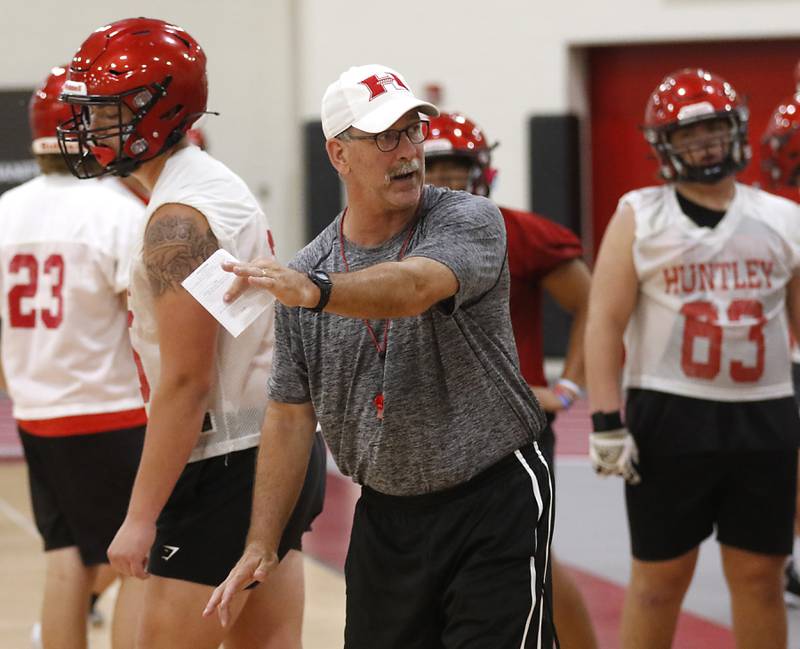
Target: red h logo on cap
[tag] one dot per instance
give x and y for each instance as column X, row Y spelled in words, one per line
column 377, row 85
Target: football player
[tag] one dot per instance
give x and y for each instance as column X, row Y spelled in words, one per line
column 136, row 87
column 700, row 276
column 65, row 249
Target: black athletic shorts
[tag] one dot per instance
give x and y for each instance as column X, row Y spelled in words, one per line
column 749, row 497
column 547, row 443
column 201, row 532
column 80, row 487
column 455, row 568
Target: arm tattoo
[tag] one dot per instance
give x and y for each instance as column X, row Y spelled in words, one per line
column 173, row 247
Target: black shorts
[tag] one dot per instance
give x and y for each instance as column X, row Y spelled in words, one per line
column 455, row 568
column 749, row 497
column 547, row 443
column 201, row 532
column 672, row 424
column 80, row 487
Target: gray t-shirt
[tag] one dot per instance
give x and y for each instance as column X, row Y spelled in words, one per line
column 454, row 400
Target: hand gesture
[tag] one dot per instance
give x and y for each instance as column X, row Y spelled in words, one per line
column 289, row 287
column 256, row 563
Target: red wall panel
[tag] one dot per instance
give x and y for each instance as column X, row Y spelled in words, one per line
column 621, row 79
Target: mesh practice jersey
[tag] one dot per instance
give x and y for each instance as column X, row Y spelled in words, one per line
column 242, row 365
column 710, row 320
column 65, row 251
column 536, row 247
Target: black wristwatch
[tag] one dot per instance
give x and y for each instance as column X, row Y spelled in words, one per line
column 324, row 283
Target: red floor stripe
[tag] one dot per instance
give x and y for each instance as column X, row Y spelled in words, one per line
column 572, row 430
column 604, row 600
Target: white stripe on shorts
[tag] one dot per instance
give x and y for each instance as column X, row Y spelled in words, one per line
column 537, row 494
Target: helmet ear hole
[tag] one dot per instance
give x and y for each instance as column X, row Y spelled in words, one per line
column 172, row 112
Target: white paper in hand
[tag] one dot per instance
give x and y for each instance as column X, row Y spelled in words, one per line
column 209, row 283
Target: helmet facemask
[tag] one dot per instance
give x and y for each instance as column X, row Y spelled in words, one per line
column 115, row 147
column 733, row 140
column 479, row 175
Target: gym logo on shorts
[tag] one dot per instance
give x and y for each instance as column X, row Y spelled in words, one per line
column 169, row 552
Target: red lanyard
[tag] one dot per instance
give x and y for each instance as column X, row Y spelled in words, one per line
column 380, row 346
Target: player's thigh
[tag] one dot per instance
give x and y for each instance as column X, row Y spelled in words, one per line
column 663, row 581
column 758, row 501
column 273, row 615
column 171, row 616
column 746, row 570
column 673, row 508
column 66, row 572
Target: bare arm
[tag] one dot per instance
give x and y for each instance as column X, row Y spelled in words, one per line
column 177, row 240
column 569, row 285
column 286, row 439
column 390, row 290
column 612, row 299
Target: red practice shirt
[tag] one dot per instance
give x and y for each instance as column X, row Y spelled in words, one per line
column 536, row 246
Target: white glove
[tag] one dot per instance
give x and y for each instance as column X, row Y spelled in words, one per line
column 614, row 453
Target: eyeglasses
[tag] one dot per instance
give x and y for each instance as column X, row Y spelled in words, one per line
column 389, row 139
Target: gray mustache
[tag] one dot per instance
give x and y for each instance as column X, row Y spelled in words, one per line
column 404, row 168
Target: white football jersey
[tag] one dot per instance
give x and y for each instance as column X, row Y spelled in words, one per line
column 65, row 251
column 710, row 320
column 238, row 400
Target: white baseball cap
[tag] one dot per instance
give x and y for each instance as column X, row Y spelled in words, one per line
column 369, row 97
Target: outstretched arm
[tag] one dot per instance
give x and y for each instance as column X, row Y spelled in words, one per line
column 389, row 290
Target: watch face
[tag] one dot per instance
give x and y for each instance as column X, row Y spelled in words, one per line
column 322, row 276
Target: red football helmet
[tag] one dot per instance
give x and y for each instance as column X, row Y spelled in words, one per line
column 687, row 97
column 46, row 112
column 780, row 146
column 155, row 70
column 452, row 135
